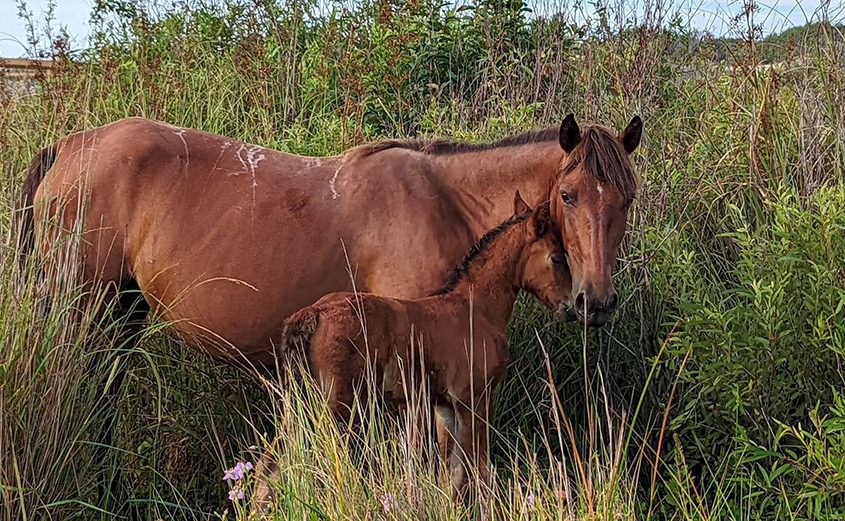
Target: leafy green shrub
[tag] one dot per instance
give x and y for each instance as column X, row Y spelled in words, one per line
column 765, row 341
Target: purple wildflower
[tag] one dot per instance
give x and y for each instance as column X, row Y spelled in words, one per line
column 388, row 503
column 237, row 472
column 236, row 494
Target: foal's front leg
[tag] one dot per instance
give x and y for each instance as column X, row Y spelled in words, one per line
column 266, row 472
column 471, row 450
column 444, row 419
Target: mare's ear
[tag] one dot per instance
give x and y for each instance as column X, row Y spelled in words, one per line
column 519, row 205
column 570, row 134
column 542, row 219
column 630, row 137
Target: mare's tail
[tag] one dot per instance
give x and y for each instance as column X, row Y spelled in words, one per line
column 23, row 219
column 298, row 330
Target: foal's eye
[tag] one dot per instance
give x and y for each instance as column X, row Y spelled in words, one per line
column 567, row 199
column 557, row 260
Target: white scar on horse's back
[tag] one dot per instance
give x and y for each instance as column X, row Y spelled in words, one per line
column 250, row 162
column 223, row 149
column 336, row 195
column 181, row 134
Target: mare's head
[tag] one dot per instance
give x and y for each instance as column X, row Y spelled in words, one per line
column 590, row 197
column 544, row 271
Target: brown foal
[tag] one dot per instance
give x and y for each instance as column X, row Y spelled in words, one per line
column 456, row 340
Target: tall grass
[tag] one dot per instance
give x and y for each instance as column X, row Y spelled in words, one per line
column 715, row 393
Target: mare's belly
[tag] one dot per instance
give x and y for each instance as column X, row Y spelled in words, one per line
column 236, row 314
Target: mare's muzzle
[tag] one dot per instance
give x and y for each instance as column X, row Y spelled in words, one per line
column 592, row 310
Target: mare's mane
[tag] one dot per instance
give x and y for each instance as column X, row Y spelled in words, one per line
column 599, row 150
column 449, row 146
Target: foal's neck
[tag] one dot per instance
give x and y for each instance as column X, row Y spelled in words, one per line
column 493, row 279
column 483, row 182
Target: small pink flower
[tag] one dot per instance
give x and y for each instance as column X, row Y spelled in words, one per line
column 529, row 501
column 388, row 503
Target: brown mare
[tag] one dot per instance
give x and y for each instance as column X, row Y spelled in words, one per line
column 456, row 341
column 224, row 239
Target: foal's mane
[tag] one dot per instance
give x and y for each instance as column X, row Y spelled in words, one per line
column 459, row 273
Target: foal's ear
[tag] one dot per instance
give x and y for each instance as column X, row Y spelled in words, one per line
column 630, row 137
column 519, row 205
column 542, row 219
column 570, row 134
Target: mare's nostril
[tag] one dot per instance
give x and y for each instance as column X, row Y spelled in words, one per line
column 579, row 302
column 613, row 301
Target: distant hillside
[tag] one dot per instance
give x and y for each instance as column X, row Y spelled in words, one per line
column 786, row 45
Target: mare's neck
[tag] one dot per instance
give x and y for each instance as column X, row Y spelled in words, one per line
column 483, row 183
column 493, row 278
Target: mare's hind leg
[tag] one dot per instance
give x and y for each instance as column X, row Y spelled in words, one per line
column 128, row 314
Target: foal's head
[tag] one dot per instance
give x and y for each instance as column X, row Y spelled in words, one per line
column 544, row 272
column 590, row 197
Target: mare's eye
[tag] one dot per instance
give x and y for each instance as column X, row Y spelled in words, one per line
column 567, row 199
column 557, row 260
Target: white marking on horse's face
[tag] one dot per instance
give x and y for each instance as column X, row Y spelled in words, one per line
column 599, row 188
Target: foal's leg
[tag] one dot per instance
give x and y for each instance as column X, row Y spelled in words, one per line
column 339, row 401
column 267, row 468
column 471, row 448
column 266, row 471
column 444, row 418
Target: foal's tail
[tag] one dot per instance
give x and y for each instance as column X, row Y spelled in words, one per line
column 298, row 330
column 22, row 219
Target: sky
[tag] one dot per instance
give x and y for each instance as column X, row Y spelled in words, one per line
column 713, row 15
